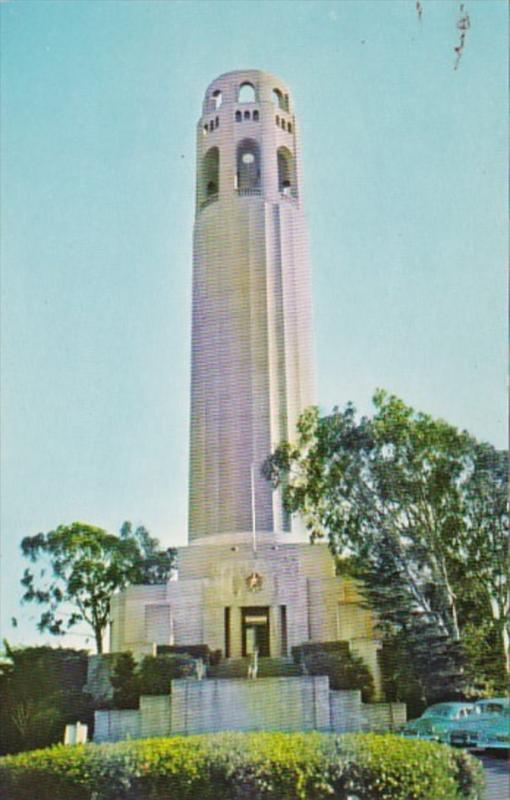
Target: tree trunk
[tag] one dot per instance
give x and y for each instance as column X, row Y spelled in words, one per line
column 501, row 617
column 505, row 634
column 98, row 633
column 450, row 594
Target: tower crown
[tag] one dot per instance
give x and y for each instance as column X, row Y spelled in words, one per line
column 246, row 86
column 247, row 144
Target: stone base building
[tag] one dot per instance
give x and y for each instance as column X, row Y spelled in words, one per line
column 236, row 599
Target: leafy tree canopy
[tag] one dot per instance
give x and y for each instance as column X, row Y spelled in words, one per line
column 81, row 566
column 417, row 510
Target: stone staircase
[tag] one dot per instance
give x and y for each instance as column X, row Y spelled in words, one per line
column 267, row 668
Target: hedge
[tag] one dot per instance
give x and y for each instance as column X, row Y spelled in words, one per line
column 345, row 671
column 300, row 651
column 155, row 673
column 250, row 766
column 41, row 689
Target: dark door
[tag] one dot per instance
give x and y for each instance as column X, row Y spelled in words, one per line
column 255, row 632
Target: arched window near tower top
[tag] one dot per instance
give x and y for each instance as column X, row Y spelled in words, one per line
column 286, row 172
column 217, row 97
column 210, row 175
column 280, row 100
column 247, row 93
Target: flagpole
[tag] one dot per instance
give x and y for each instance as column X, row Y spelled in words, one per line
column 253, row 517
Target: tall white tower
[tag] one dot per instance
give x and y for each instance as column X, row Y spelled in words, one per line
column 251, row 329
column 251, row 378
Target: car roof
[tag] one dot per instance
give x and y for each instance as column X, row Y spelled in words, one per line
column 505, row 701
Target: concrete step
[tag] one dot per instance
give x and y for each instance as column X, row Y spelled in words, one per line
column 267, row 668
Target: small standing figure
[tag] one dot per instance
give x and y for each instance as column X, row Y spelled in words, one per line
column 254, row 665
column 199, row 669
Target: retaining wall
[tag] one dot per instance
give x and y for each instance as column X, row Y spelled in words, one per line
column 273, row 704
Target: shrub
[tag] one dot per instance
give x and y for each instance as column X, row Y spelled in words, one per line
column 41, row 689
column 345, row 671
column 125, row 682
column 277, row 668
column 301, row 651
column 156, row 672
column 399, row 682
column 384, row 767
column 257, row 766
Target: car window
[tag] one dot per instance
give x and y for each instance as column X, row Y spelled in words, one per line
column 435, row 711
column 445, row 711
column 490, row 708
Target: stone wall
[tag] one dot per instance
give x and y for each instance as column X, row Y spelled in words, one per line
column 113, row 726
column 349, row 713
column 346, row 711
column 384, row 716
column 155, row 716
column 99, row 671
column 272, row 704
column 278, row 704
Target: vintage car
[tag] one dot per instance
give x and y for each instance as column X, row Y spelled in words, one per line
column 436, row 722
column 494, row 734
column 473, row 729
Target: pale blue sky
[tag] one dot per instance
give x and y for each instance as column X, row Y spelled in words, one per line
column 405, row 189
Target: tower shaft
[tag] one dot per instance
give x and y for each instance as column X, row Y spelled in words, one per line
column 251, row 320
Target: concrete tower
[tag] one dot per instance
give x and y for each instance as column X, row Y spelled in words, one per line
column 251, row 329
column 251, row 378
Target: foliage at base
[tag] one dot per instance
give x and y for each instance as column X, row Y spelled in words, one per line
column 344, row 669
column 153, row 675
column 345, row 672
column 156, row 673
column 251, row 766
column 41, row 689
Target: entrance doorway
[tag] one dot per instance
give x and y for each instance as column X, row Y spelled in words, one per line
column 255, row 630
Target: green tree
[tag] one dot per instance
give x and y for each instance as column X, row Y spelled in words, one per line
column 484, row 545
column 418, row 509
column 409, row 635
column 125, row 682
column 81, row 566
column 41, row 689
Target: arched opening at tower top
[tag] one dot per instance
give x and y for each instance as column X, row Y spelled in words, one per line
column 280, row 100
column 247, row 93
column 216, row 98
column 210, row 175
column 286, row 172
column 248, row 166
